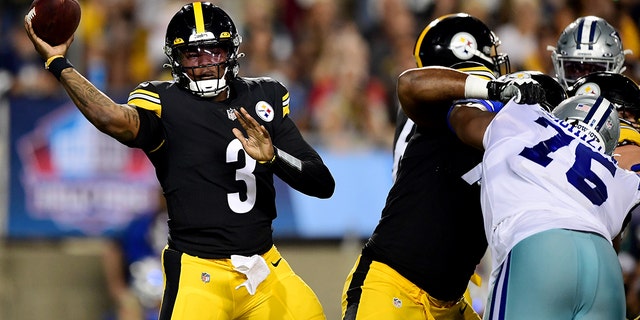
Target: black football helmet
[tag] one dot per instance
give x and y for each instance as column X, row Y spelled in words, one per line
column 202, row 27
column 615, row 87
column 457, row 38
column 553, row 91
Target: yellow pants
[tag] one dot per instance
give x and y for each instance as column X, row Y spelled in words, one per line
column 379, row 292
column 198, row 288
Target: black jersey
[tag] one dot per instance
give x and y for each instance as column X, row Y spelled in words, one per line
column 220, row 200
column 431, row 230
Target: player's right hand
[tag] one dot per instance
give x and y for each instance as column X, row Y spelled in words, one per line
column 525, row 91
column 42, row 47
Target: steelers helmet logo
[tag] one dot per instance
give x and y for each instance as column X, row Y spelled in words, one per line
column 589, row 88
column 265, row 111
column 463, row 45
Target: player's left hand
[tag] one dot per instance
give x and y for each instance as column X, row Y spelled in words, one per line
column 529, row 91
column 524, row 91
column 257, row 144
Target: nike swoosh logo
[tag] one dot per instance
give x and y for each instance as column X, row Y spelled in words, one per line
column 463, row 309
column 275, row 264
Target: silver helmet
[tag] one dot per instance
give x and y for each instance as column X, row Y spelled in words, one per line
column 589, row 44
column 593, row 115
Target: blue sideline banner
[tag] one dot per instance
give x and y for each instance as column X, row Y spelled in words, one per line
column 69, row 179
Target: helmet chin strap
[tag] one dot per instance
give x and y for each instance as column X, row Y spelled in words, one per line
column 208, row 88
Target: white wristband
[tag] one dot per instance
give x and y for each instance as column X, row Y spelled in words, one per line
column 476, row 87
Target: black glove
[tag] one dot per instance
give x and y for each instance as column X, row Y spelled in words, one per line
column 525, row 91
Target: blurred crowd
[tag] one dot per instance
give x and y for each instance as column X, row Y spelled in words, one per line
column 339, row 58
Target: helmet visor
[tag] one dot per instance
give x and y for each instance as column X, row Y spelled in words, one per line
column 203, row 55
column 576, row 69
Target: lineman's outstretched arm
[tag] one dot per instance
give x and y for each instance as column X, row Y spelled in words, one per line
column 420, row 89
column 425, row 91
column 120, row 121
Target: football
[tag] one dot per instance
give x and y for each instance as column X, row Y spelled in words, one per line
column 54, row 21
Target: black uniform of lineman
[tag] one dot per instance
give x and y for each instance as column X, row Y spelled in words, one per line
column 429, row 191
column 220, row 201
column 431, row 230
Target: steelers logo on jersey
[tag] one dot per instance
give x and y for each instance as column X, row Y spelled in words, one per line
column 265, row 111
column 463, row 45
column 589, row 88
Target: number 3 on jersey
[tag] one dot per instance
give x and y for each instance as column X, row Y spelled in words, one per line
column 244, row 174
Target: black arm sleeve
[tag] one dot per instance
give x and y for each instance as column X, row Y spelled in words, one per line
column 299, row 165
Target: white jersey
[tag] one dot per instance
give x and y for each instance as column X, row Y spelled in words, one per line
column 539, row 174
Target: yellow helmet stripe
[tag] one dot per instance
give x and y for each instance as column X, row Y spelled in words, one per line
column 416, row 50
column 197, row 11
